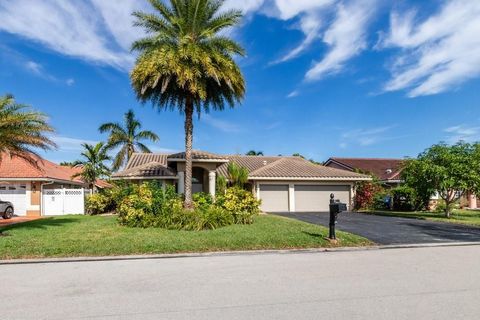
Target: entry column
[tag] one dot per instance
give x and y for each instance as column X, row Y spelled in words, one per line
column 212, row 177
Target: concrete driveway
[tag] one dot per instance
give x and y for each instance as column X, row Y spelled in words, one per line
column 15, row 220
column 393, row 230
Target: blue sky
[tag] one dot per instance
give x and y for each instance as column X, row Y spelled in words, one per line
column 357, row 78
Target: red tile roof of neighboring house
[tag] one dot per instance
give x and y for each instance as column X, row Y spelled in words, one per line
column 383, row 169
column 19, row 168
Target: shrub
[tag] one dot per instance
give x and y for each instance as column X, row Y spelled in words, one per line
column 202, row 199
column 97, row 203
column 240, row 203
column 365, row 195
column 148, row 205
column 405, row 199
column 382, row 201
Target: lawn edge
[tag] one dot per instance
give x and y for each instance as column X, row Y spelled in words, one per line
column 233, row 253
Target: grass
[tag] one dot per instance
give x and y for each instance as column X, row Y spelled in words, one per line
column 467, row 217
column 71, row 236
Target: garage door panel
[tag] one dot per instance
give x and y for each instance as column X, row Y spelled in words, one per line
column 316, row 198
column 17, row 195
column 274, row 198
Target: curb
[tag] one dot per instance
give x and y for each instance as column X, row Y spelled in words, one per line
column 234, row 253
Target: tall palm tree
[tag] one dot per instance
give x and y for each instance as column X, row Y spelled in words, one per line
column 22, row 130
column 254, row 153
column 187, row 63
column 128, row 137
column 92, row 164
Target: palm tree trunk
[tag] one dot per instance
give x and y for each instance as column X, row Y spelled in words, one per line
column 188, row 153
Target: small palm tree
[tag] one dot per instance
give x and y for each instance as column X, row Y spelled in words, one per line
column 254, row 153
column 237, row 175
column 22, row 131
column 187, row 63
column 92, row 164
column 128, row 137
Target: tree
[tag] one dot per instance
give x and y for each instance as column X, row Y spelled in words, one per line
column 22, row 130
column 186, row 62
column 67, row 164
column 92, row 164
column 449, row 170
column 237, row 175
column 128, row 137
column 254, row 153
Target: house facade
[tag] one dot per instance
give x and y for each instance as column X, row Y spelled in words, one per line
column 283, row 184
column 42, row 187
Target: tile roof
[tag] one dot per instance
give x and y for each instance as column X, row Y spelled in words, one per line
column 252, row 163
column 139, row 159
column 150, row 165
column 384, row 169
column 296, row 167
column 198, row 155
column 15, row 167
column 150, row 169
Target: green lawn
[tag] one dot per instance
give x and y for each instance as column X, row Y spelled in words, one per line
column 70, row 236
column 467, row 217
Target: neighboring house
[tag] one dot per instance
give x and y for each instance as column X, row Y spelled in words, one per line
column 282, row 183
column 387, row 171
column 42, row 189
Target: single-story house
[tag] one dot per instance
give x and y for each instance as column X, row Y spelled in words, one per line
column 42, row 188
column 387, row 171
column 282, row 183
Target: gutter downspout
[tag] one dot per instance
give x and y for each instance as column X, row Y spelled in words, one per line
column 41, row 195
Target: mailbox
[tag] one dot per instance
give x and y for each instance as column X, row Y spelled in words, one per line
column 335, row 208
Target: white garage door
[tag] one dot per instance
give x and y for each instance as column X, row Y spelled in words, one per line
column 274, row 197
column 317, row 197
column 58, row 202
column 16, row 194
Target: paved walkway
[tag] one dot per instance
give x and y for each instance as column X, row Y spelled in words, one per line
column 14, row 220
column 425, row 283
column 392, row 230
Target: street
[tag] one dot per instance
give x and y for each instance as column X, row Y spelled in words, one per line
column 413, row 283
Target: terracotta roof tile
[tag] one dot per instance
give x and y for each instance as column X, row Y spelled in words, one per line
column 384, row 169
column 300, row 168
column 150, row 169
column 15, row 167
column 139, row 159
column 198, row 155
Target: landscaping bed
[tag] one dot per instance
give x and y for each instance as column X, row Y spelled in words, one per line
column 467, row 217
column 73, row 236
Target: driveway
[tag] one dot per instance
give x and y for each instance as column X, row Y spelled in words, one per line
column 393, row 230
column 14, row 220
column 440, row 283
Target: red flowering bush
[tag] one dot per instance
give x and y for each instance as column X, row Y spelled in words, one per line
column 365, row 194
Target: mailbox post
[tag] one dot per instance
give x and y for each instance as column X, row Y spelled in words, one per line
column 335, row 208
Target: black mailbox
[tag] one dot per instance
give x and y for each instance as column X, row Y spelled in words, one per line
column 335, row 208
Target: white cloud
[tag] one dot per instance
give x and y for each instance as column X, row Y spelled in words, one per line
column 70, row 82
column 246, row 6
column 219, row 124
column 438, row 53
column 287, row 9
column 463, row 133
column 346, row 37
column 293, row 94
column 365, row 137
column 66, row 144
column 34, row 67
column 70, row 28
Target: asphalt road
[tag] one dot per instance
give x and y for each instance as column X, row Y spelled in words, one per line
column 423, row 283
column 392, row 230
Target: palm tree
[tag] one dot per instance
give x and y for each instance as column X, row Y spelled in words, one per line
column 187, row 63
column 237, row 175
column 92, row 164
column 254, row 153
column 22, row 131
column 128, row 137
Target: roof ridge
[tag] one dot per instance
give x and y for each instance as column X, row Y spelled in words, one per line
column 268, row 165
